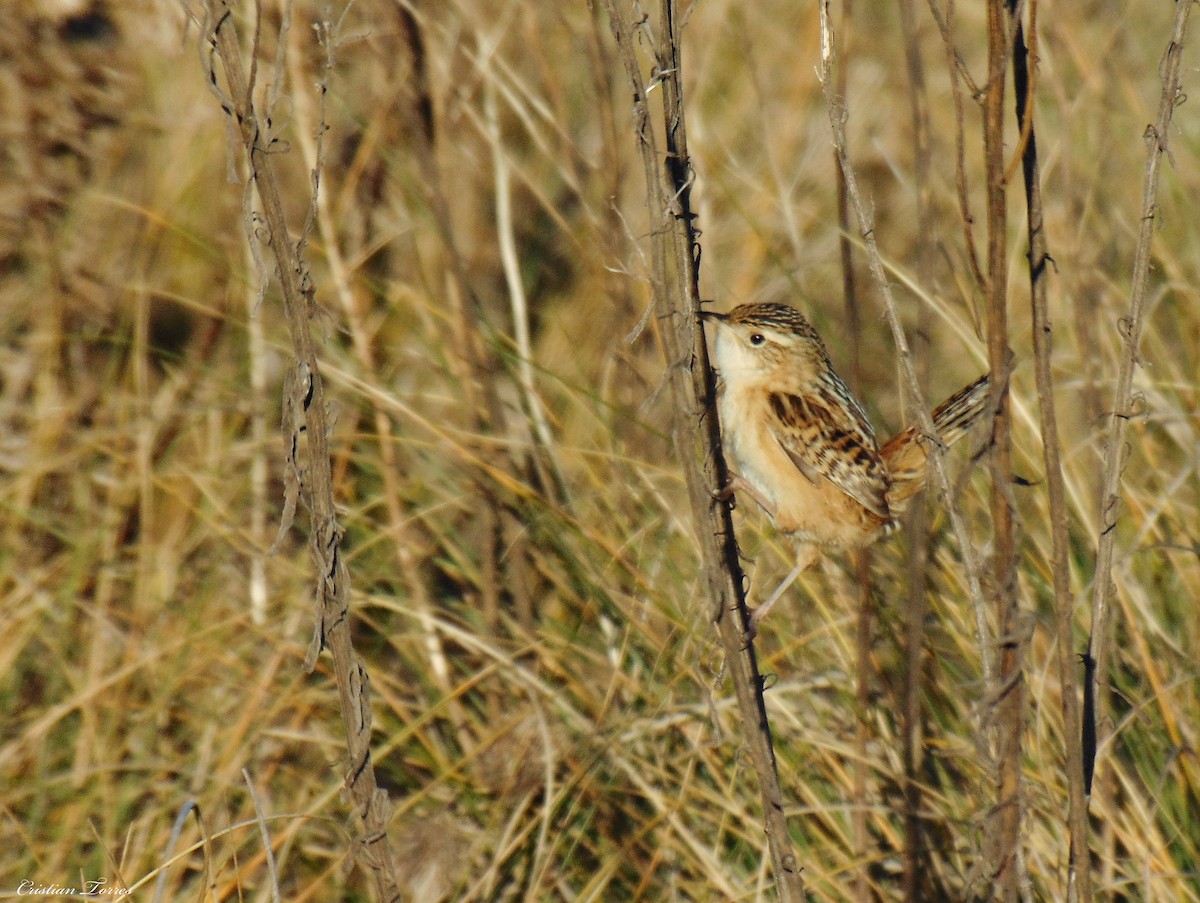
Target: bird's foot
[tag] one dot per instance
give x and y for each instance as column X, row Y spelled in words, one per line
column 737, row 483
column 751, row 628
column 726, row 493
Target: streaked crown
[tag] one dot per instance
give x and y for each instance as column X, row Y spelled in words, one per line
column 779, row 317
column 757, row 340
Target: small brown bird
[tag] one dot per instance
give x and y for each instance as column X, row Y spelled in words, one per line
column 802, row 445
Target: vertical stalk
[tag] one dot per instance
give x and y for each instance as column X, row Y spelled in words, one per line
column 915, row 880
column 1007, row 694
column 1097, row 725
column 695, row 430
column 865, row 627
column 1079, row 875
column 305, row 407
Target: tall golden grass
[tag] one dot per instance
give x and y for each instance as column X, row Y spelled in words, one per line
column 550, row 714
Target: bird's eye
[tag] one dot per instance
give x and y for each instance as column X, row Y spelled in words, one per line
column 757, row 338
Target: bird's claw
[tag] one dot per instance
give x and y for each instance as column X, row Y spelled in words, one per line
column 751, row 627
column 726, row 493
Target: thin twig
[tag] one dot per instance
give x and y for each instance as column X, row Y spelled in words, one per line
column 837, row 123
column 307, row 402
column 1008, row 692
column 312, row 126
column 916, row 602
column 959, row 73
column 695, row 429
column 1079, row 873
column 188, row 808
column 1096, row 723
column 865, row 627
column 264, row 832
column 908, row 368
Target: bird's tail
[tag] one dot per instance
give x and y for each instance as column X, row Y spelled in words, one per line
column 958, row 413
column 906, row 457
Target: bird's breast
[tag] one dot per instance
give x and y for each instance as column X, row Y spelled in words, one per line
column 811, row 511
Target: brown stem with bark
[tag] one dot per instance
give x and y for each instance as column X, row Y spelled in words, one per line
column 959, row 73
column 1079, row 875
column 1096, row 719
column 695, row 430
column 915, row 879
column 1008, row 692
column 306, row 406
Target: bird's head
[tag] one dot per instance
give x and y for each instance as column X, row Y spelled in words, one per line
column 765, row 342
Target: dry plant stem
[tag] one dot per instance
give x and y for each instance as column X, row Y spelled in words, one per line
column 542, row 443
column 1115, row 450
column 845, row 245
column 917, row 528
column 958, row 71
column 311, row 127
column 695, row 429
column 863, row 641
column 332, row 588
column 1007, row 695
column 259, row 539
column 1079, row 874
column 862, row 560
column 264, row 832
column 987, row 655
column 160, row 883
column 908, row 368
column 694, row 390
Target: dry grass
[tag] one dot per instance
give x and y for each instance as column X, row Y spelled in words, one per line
column 572, row 738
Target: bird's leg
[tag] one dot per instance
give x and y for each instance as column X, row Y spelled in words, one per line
column 738, row 483
column 805, row 555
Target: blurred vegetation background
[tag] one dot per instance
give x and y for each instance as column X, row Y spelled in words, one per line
column 551, row 718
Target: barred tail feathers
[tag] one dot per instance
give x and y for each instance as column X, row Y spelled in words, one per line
column 955, row 416
column 905, row 455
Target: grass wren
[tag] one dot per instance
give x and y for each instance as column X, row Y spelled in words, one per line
column 802, row 445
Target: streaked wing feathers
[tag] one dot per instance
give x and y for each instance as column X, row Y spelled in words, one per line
column 826, row 434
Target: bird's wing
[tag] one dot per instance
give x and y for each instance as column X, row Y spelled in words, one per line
column 827, row 435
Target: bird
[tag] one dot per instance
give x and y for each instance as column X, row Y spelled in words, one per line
column 802, row 445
